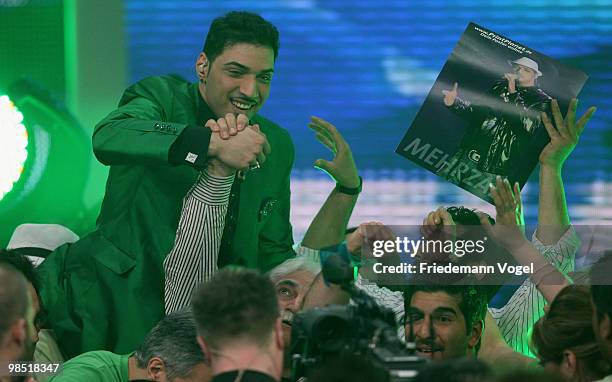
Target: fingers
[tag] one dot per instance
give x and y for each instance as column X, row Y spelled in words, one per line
column 484, row 218
column 517, row 195
column 324, row 126
column 550, row 129
column 506, row 191
column 326, row 141
column 223, row 129
column 497, row 200
column 556, row 112
column 212, row 125
column 455, row 87
column 230, row 120
column 570, row 117
column 444, row 216
column 434, row 219
column 324, row 165
column 580, row 125
column 241, row 122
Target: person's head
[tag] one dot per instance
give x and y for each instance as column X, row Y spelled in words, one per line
column 527, row 71
column 23, row 264
column 236, row 65
column 170, row 351
column 601, row 302
column 292, row 280
column 563, row 339
column 16, row 316
column 447, row 321
column 236, row 313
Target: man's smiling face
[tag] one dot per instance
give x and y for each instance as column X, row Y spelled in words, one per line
column 238, row 80
column 439, row 311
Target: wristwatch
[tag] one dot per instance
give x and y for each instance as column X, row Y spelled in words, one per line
column 348, row 190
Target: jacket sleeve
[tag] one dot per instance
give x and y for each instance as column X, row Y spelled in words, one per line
column 276, row 237
column 138, row 131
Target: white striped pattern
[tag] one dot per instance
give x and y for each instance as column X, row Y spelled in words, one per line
column 526, row 306
column 193, row 259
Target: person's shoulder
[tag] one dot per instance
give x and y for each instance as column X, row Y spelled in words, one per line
column 94, row 355
column 92, row 365
column 168, row 81
column 161, row 89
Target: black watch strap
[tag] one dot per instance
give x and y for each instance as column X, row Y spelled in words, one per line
column 348, row 190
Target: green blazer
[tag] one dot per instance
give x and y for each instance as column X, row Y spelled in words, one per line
column 105, row 292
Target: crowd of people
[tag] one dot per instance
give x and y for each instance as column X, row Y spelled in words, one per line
column 192, row 273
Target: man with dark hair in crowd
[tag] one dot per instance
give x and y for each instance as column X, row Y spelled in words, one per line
column 27, row 248
column 187, row 176
column 16, row 318
column 169, row 353
column 601, row 301
column 447, row 321
column 239, row 326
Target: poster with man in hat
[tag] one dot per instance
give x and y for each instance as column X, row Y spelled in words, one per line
column 482, row 117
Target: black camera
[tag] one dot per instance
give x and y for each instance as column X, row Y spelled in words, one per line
column 362, row 328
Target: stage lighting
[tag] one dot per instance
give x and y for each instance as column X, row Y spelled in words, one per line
column 45, row 158
column 13, row 145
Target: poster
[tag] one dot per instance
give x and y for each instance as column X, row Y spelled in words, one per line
column 482, row 117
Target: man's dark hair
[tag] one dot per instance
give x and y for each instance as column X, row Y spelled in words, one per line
column 13, row 297
column 239, row 27
column 601, row 284
column 236, row 304
column 21, row 263
column 472, row 299
column 465, row 216
column 174, row 340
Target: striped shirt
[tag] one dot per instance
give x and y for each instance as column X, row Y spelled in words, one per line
column 523, row 309
column 193, row 259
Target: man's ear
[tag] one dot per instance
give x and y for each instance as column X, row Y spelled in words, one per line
column 19, row 332
column 156, row 369
column 569, row 363
column 202, row 67
column 205, row 350
column 278, row 334
column 605, row 331
column 475, row 334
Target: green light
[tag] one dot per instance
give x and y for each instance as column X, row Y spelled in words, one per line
column 13, row 145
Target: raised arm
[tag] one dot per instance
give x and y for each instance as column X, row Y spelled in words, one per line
column 553, row 219
column 507, row 232
column 329, row 225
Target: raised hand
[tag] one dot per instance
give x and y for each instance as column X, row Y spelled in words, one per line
column 511, row 78
column 367, row 233
column 565, row 137
column 439, row 223
column 248, row 147
column 450, row 95
column 342, row 167
column 228, row 125
column 509, row 228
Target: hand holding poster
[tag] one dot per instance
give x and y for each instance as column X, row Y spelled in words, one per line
column 482, row 117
